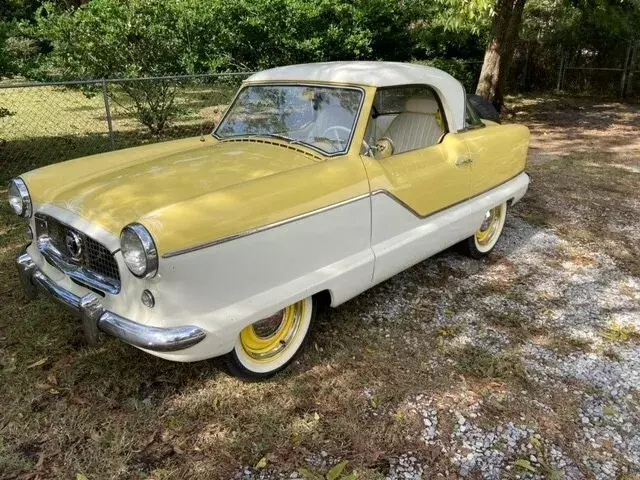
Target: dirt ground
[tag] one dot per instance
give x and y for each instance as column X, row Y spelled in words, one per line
column 523, row 365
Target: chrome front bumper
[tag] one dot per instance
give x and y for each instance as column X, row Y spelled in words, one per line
column 95, row 317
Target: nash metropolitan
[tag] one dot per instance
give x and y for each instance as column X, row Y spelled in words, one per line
column 320, row 181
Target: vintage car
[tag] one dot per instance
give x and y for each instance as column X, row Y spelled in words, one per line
column 320, row 181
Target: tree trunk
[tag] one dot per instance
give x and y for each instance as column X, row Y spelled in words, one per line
column 505, row 27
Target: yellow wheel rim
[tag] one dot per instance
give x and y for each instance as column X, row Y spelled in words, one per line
column 270, row 337
column 490, row 226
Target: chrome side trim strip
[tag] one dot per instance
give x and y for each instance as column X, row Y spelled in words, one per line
column 94, row 316
column 265, row 227
column 422, row 217
column 330, row 207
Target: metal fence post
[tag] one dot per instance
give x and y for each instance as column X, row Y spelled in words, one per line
column 632, row 67
column 107, row 109
column 560, row 72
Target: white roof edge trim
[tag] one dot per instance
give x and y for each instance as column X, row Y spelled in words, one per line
column 377, row 74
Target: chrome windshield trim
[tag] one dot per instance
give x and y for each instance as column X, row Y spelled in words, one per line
column 77, row 272
column 281, row 83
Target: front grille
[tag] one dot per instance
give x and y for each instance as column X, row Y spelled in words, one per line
column 94, row 256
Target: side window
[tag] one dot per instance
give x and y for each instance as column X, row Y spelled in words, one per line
column 403, row 119
column 471, row 118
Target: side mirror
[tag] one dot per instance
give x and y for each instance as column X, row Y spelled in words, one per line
column 383, row 148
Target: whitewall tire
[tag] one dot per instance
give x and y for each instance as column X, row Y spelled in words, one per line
column 482, row 242
column 269, row 345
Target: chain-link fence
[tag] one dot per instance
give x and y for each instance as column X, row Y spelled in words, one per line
column 45, row 123
column 600, row 81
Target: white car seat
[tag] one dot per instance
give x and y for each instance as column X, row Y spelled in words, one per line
column 416, row 127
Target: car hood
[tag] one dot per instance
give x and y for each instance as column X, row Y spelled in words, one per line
column 118, row 188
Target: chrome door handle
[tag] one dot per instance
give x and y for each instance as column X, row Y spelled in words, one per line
column 463, row 161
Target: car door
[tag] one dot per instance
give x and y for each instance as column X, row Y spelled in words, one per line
column 493, row 150
column 414, row 186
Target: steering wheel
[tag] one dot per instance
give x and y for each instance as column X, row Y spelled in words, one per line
column 336, row 129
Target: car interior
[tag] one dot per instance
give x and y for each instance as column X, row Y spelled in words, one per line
column 404, row 119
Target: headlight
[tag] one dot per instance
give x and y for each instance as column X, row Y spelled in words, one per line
column 139, row 251
column 19, row 198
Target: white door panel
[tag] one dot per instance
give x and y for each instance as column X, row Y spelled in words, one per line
column 405, row 239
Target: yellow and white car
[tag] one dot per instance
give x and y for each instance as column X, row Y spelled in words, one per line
column 320, row 181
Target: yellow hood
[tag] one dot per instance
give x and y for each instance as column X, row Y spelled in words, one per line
column 117, row 188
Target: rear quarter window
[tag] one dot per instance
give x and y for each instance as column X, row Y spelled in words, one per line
column 472, row 119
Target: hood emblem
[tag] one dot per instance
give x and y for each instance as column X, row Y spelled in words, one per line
column 73, row 242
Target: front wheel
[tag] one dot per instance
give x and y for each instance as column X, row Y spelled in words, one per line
column 484, row 240
column 269, row 345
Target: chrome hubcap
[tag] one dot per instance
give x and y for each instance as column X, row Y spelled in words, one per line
column 491, row 226
column 268, row 327
column 487, row 220
column 266, row 339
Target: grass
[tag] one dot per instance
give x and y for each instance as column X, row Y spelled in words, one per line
column 585, row 175
column 515, row 324
column 115, row 412
column 50, row 124
column 482, row 364
column 70, row 410
column 619, row 333
column 565, row 344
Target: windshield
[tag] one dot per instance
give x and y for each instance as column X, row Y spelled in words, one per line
column 317, row 116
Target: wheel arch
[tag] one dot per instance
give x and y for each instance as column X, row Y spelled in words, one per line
column 324, row 300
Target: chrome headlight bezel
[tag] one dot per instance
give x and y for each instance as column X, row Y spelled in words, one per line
column 20, row 193
column 146, row 246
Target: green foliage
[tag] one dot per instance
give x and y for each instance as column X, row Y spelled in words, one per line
column 464, row 15
column 591, row 33
column 111, row 38
column 465, row 71
column 161, row 37
column 17, row 53
column 106, row 38
column 115, row 38
column 525, row 464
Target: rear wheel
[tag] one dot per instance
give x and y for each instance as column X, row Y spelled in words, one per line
column 269, row 345
column 484, row 240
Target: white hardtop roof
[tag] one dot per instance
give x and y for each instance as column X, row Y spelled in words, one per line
column 377, row 74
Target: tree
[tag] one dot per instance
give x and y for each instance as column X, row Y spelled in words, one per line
column 505, row 26
column 138, row 38
column 111, row 38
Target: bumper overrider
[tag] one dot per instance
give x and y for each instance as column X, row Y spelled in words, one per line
column 95, row 317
